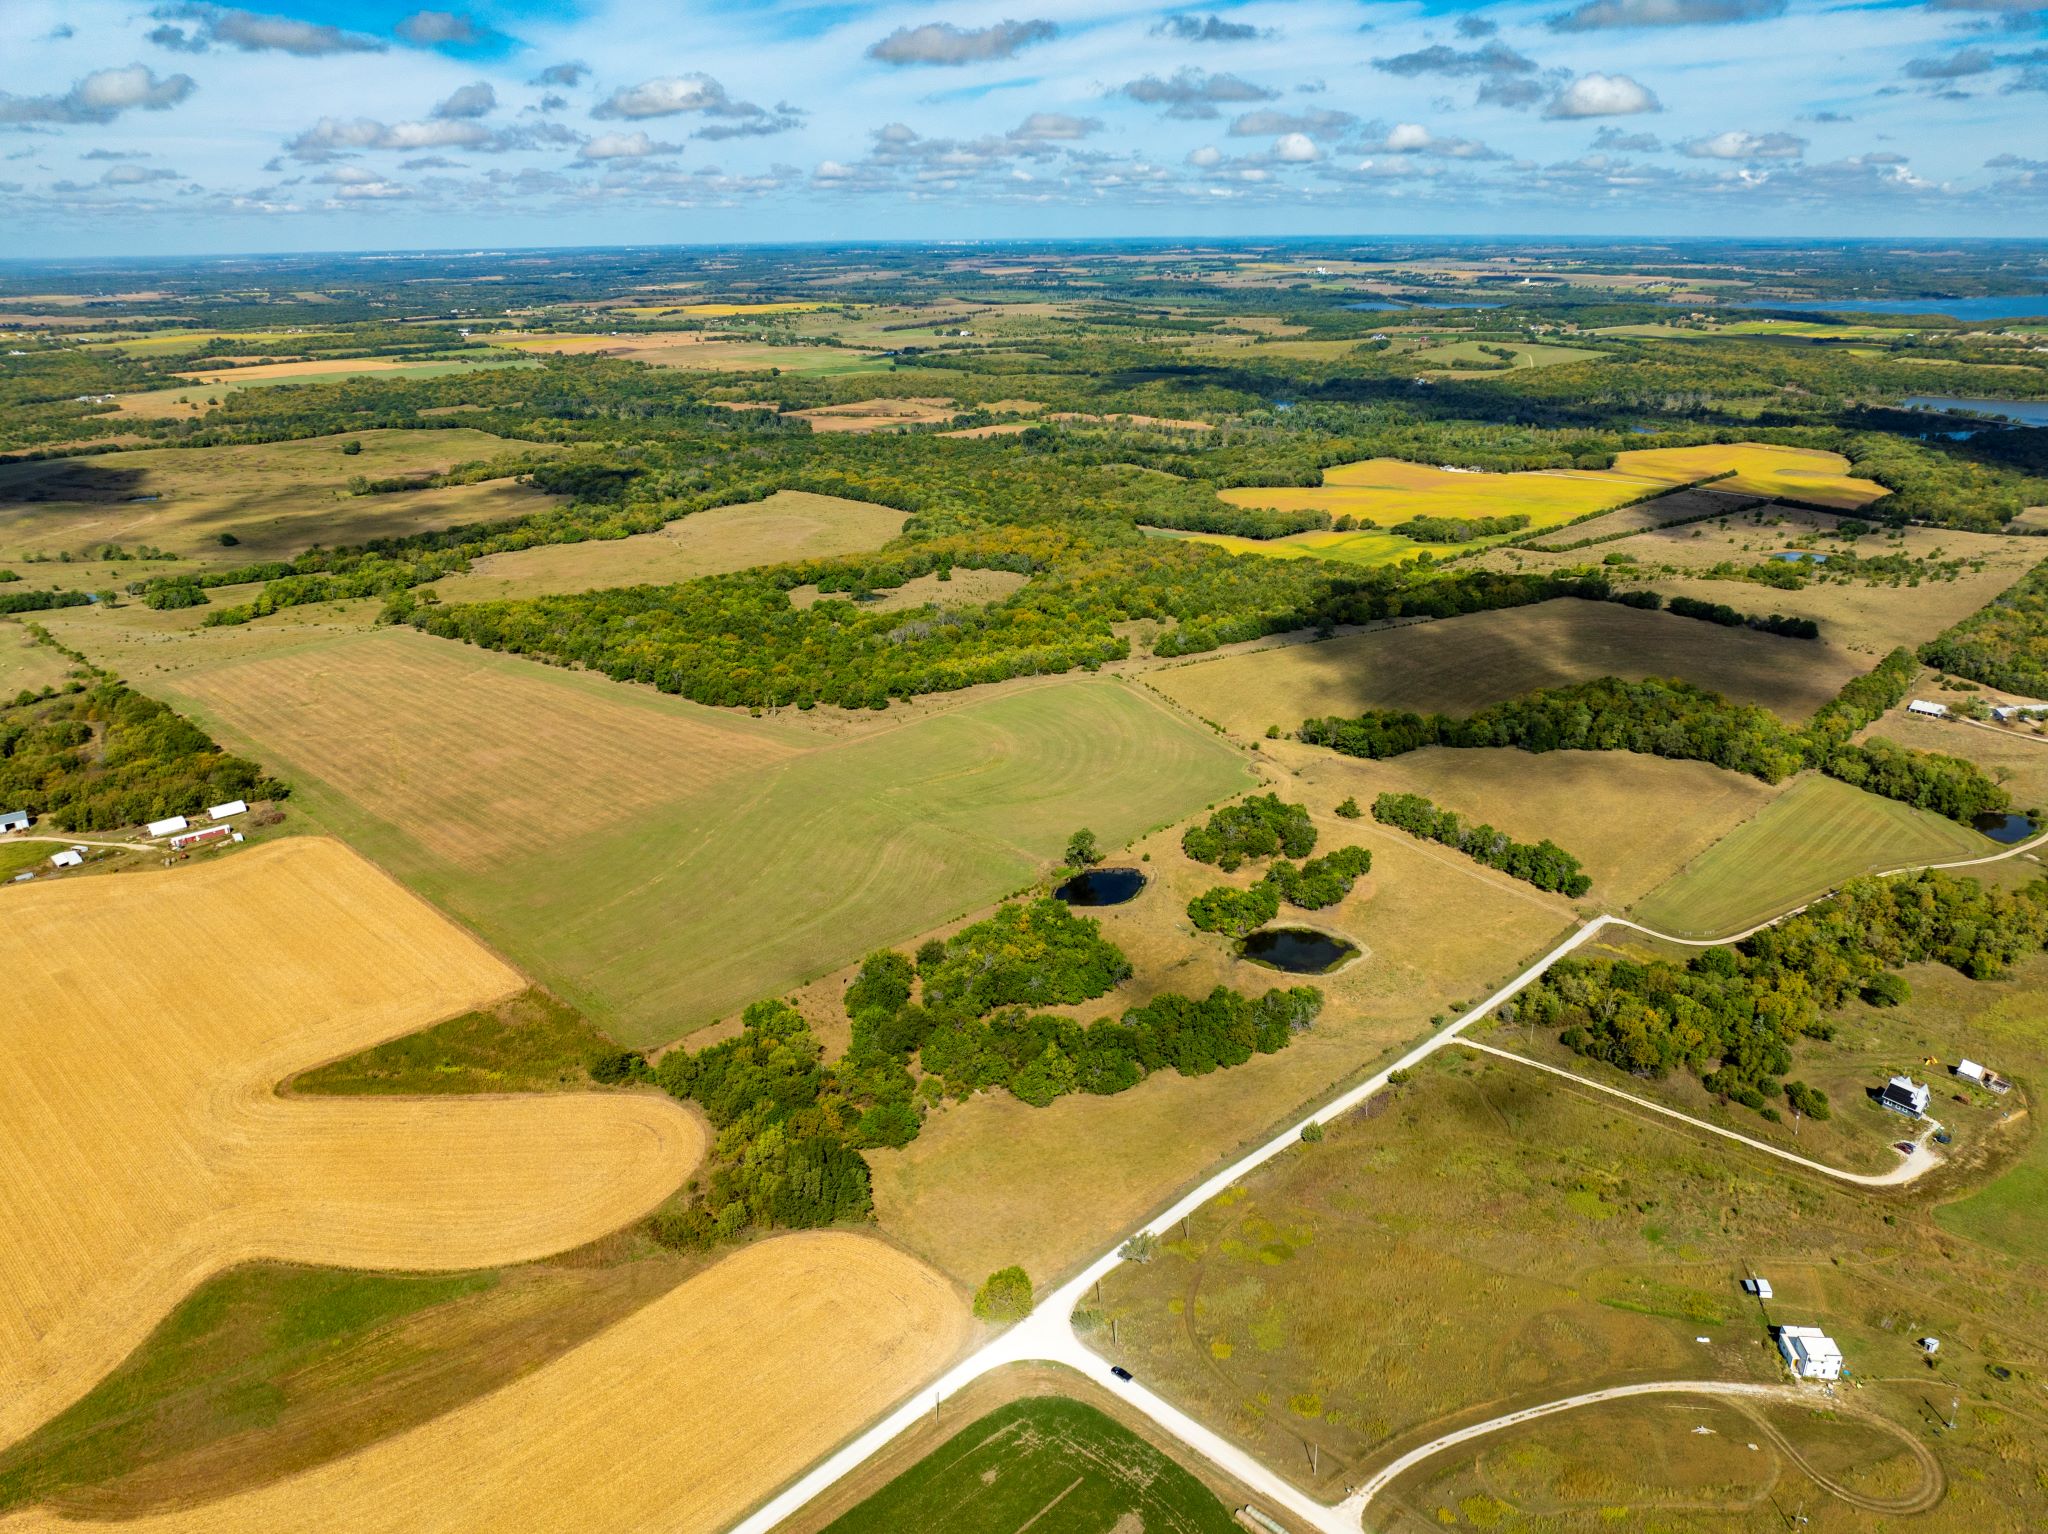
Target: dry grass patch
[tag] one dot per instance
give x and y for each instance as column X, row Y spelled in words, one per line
column 1459, row 665
column 879, row 414
column 475, row 755
column 146, row 1022
column 967, row 588
column 680, row 1417
column 789, row 525
column 316, row 368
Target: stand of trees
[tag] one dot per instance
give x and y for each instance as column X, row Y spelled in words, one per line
column 1543, row 864
column 1261, row 826
column 2003, row 644
column 1676, row 719
column 1731, row 1015
column 106, row 756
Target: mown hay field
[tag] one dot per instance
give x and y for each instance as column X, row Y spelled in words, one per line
column 145, row 1025
column 680, row 1417
column 660, row 864
column 789, row 525
column 277, row 498
column 1044, row 1463
column 1459, row 665
column 1816, row 835
column 878, row 414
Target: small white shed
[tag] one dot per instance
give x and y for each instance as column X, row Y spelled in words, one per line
column 71, row 857
column 225, row 811
column 170, row 826
column 1970, row 1070
column 1760, row 1287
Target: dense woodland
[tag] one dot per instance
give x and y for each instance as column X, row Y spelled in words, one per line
column 2004, row 645
column 1733, row 1016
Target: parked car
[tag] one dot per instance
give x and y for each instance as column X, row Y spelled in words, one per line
column 1120, row 1371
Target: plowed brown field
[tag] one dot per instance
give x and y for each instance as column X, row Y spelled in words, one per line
column 679, row 1418
column 144, row 1023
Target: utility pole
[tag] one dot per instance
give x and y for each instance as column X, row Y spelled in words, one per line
column 1314, row 1464
column 1954, row 1402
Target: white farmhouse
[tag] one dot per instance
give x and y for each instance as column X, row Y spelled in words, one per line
column 1810, row 1352
column 1902, row 1094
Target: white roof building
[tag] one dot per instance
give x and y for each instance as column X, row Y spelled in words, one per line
column 1902, row 1094
column 1810, row 1352
column 1931, row 710
column 15, row 820
column 1969, row 1070
column 71, row 857
column 232, row 807
column 167, row 827
column 1760, row 1287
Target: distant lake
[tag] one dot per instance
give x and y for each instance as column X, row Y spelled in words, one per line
column 1418, row 303
column 2031, row 306
column 1801, row 556
column 2029, row 412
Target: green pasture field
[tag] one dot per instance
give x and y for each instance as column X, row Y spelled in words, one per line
column 659, row 865
column 1484, row 1239
column 276, row 498
column 1048, row 1464
column 1528, row 354
column 1810, row 839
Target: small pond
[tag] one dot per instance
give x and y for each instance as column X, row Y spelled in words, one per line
column 1101, row 886
column 2001, row 827
column 1797, row 556
column 1298, row 950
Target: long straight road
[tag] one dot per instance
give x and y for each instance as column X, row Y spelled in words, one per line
column 1047, row 1334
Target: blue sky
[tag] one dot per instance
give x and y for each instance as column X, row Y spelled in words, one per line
column 181, row 127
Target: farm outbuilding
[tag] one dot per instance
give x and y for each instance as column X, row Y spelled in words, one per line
column 1930, row 710
column 1969, row 1070
column 15, row 820
column 1810, row 1352
column 1760, row 1287
column 71, row 857
column 1904, row 1095
column 170, row 826
column 225, row 811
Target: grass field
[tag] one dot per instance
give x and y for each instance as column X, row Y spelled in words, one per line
column 146, row 1022
column 707, row 351
column 789, row 525
column 1465, row 355
column 1368, row 550
column 659, row 865
column 878, row 414
column 1459, row 665
column 277, row 498
column 1486, row 1239
column 26, row 663
column 1048, row 1464
column 2013, row 754
column 679, row 1417
column 322, row 369
column 1813, row 837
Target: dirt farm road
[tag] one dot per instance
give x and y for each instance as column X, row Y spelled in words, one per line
column 1047, row 1334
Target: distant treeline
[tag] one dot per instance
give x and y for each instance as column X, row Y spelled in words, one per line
column 1673, row 718
column 2004, row 644
column 40, row 601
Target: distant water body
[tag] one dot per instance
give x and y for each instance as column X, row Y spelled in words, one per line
column 2029, row 306
column 1417, row 303
column 2028, row 412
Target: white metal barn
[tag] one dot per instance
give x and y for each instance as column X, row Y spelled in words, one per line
column 231, row 808
column 167, row 827
column 1931, row 710
column 15, row 820
column 69, row 858
column 1969, row 1070
column 1810, row 1352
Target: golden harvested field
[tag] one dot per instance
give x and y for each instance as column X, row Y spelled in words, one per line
column 967, row 588
column 709, row 351
column 789, row 525
column 679, row 1418
column 1459, row 665
column 1391, row 490
column 476, row 755
column 317, row 368
column 1797, row 473
column 144, row 1026
column 878, row 414
column 278, row 498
